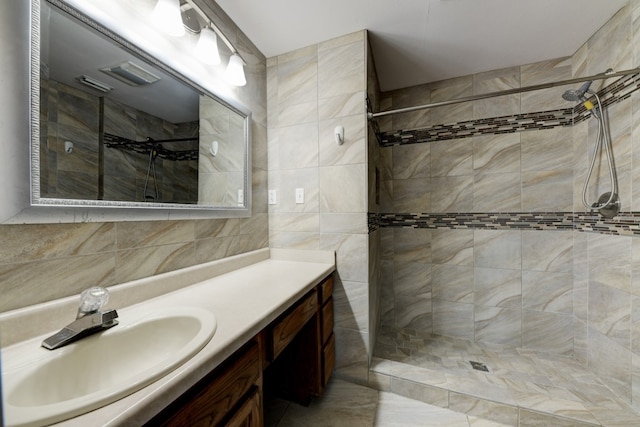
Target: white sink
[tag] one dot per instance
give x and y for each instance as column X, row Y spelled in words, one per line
column 41, row 386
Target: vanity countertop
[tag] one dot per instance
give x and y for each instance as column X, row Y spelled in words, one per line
column 244, row 301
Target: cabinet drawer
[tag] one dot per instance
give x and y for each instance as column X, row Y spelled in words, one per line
column 326, row 289
column 285, row 329
column 249, row 414
column 217, row 395
column 327, row 320
column 328, row 359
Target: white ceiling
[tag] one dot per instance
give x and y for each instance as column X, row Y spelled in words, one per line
column 420, row 41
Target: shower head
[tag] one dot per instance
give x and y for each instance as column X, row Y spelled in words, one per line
column 577, row 95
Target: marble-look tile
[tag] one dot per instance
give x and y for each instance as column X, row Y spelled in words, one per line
column 495, row 81
column 580, row 276
column 453, row 319
column 411, row 161
column 24, row 284
column 550, row 149
column 341, row 70
column 610, row 47
column 153, row 233
column 498, row 288
column 352, row 349
column 340, row 105
column 397, row 411
column 55, row 240
column 497, row 249
column 353, row 223
column 544, row 72
column 544, row 191
column 451, row 89
column 421, row 392
column 297, row 77
column 351, row 305
column 148, row 261
column 294, row 221
column 610, row 313
column 497, row 193
column 343, row 189
column 498, row 325
column 484, row 409
column 412, row 245
column 548, row 332
column 452, row 157
column 538, row 419
column 412, row 195
column 351, row 254
column 547, row 251
column 496, row 153
column 452, row 194
column 286, row 181
column 413, row 313
column 454, row 247
column 409, row 97
column 412, row 279
column 610, row 261
column 352, row 151
column 452, row 283
column 294, row 239
column 293, row 147
column 343, row 403
column 547, row 291
column 635, row 324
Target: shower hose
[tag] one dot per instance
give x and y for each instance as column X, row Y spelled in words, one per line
column 602, row 140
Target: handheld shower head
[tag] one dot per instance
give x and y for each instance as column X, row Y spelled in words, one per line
column 577, row 95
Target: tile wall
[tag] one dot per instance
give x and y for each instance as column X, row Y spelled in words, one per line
column 43, row 262
column 310, row 92
column 553, row 289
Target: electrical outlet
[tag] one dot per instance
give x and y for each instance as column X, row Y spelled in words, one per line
column 272, row 197
column 240, row 197
column 299, row 195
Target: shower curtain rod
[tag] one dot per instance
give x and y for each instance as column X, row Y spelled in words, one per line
column 607, row 74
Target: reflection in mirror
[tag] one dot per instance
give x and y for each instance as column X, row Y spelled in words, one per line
column 116, row 128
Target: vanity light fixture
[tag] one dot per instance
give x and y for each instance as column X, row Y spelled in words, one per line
column 94, row 84
column 207, row 47
column 166, row 16
column 235, row 71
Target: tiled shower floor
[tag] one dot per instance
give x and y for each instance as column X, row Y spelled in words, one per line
column 522, row 387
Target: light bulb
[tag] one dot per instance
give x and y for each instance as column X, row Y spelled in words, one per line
column 167, row 17
column 207, row 47
column 235, row 71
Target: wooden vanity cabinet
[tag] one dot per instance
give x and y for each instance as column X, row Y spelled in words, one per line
column 231, row 395
column 293, row 357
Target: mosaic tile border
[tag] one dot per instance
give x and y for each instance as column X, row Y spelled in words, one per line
column 616, row 92
column 625, row 224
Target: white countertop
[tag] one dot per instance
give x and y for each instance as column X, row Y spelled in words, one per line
column 244, row 301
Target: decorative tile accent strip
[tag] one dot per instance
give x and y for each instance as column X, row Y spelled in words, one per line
column 625, row 224
column 618, row 91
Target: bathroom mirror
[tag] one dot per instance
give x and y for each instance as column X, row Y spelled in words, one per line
column 118, row 128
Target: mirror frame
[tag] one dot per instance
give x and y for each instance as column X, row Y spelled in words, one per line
column 20, row 34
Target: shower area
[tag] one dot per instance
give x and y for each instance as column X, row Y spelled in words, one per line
column 504, row 279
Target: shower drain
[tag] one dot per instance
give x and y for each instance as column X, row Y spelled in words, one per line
column 479, row 366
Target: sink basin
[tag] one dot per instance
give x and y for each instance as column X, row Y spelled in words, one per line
column 41, row 387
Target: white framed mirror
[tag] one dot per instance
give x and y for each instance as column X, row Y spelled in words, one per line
column 113, row 132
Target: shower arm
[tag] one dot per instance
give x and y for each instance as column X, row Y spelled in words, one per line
column 601, row 76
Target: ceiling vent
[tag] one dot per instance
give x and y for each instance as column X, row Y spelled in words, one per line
column 131, row 74
column 94, row 84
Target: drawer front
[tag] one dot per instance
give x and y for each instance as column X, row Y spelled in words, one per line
column 327, row 320
column 284, row 330
column 249, row 414
column 224, row 391
column 327, row 289
column 328, row 359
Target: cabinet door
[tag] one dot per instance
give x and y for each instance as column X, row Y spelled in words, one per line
column 249, row 414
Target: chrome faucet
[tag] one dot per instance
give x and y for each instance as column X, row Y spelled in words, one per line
column 89, row 320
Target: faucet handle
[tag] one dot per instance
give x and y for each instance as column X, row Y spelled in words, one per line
column 92, row 300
